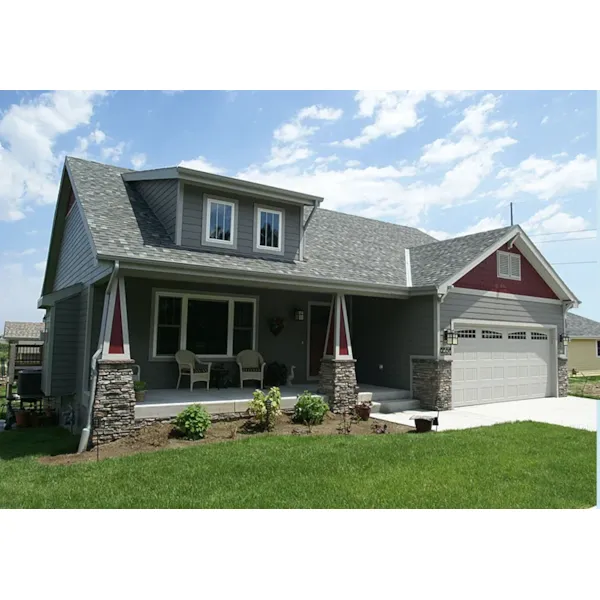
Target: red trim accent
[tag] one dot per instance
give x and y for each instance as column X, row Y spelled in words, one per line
column 485, row 277
column 116, row 334
column 331, row 334
column 343, row 338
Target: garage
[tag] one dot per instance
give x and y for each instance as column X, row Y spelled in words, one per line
column 499, row 364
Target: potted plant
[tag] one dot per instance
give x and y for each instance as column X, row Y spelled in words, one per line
column 363, row 410
column 139, row 388
column 22, row 418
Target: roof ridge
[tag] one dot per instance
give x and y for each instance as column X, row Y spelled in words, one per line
column 468, row 235
column 69, row 158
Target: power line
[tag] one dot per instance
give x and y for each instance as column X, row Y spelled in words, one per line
column 557, row 232
column 566, row 240
column 584, row 262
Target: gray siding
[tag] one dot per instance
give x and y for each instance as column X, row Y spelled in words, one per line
column 191, row 234
column 387, row 332
column 289, row 347
column 76, row 260
column 65, row 346
column 484, row 308
column 97, row 309
column 161, row 196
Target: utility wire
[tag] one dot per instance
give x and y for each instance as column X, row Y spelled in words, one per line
column 557, row 232
column 566, row 240
column 584, row 262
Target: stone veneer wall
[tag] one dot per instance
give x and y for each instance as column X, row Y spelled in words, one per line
column 432, row 383
column 114, row 402
column 337, row 381
column 563, row 378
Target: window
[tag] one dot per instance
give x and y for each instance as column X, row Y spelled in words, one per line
column 598, row 348
column 517, row 335
column 219, row 222
column 269, row 229
column 509, row 265
column 168, row 325
column 538, row 336
column 211, row 326
column 466, row 333
column 486, row 334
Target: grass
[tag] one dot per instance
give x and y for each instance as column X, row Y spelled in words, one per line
column 517, row 465
column 585, row 387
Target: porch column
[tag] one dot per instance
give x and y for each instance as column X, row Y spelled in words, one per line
column 114, row 401
column 337, row 377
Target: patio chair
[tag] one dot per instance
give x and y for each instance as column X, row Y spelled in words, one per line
column 252, row 367
column 190, row 367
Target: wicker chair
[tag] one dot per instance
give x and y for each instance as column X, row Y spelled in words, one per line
column 252, row 367
column 192, row 368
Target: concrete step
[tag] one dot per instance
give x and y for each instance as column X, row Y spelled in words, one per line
column 393, row 406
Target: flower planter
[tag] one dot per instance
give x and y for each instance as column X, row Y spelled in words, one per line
column 363, row 412
column 139, row 396
column 22, row 418
column 423, row 425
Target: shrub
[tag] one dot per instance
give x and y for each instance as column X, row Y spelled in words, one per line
column 139, row 386
column 193, row 422
column 310, row 410
column 258, row 406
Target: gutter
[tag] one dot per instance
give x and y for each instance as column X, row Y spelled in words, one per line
column 86, row 431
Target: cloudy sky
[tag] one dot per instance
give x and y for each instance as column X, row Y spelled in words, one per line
column 448, row 162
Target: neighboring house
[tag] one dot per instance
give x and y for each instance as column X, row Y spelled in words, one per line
column 584, row 347
column 25, row 345
column 144, row 263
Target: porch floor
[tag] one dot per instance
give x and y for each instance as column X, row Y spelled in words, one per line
column 167, row 403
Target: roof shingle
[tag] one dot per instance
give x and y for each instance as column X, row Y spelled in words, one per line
column 578, row 326
column 20, row 330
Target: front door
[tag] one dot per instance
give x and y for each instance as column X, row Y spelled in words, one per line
column 317, row 331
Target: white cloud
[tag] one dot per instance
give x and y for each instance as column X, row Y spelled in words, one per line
column 443, row 150
column 95, row 137
column 138, row 160
column 548, row 178
column 446, row 97
column 201, row 164
column 293, row 132
column 29, row 166
column 40, row 266
column 25, row 289
column 476, row 118
column 287, row 155
column 322, row 113
column 19, row 253
column 485, row 224
column 544, row 120
column 326, row 159
column 32, row 232
column 353, row 163
column 551, row 219
column 113, row 153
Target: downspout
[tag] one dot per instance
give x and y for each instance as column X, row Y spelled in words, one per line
column 310, row 216
column 86, row 431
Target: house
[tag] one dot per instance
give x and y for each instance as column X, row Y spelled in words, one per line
column 584, row 345
column 144, row 263
column 25, row 346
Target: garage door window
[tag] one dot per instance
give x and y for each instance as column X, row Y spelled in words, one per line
column 466, row 333
column 486, row 334
column 538, row 336
column 517, row 335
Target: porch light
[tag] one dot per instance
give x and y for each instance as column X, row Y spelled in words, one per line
column 565, row 339
column 450, row 337
column 299, row 315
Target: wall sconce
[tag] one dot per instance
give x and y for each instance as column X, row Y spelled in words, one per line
column 299, row 315
column 450, row 337
column 565, row 339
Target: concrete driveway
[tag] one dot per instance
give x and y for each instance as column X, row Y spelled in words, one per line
column 572, row 411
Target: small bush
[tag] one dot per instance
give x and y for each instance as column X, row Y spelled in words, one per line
column 258, row 406
column 310, row 410
column 139, row 386
column 193, row 422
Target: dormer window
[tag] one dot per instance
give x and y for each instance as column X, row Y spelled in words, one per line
column 268, row 230
column 509, row 265
column 219, row 222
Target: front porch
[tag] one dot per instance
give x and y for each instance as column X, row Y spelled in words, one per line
column 167, row 403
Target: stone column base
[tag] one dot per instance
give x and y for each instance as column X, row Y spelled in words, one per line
column 337, row 381
column 563, row 378
column 432, row 383
column 114, row 403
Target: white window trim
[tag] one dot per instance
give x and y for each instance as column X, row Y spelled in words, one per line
column 206, row 239
column 185, row 297
column 258, row 209
column 511, row 256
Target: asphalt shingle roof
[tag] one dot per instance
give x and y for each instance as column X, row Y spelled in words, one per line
column 19, row 330
column 434, row 263
column 339, row 247
column 581, row 327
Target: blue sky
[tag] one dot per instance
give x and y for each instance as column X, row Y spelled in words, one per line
column 446, row 162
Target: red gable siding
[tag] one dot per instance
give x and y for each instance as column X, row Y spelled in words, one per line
column 485, row 277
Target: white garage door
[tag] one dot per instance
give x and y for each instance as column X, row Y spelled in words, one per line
column 498, row 364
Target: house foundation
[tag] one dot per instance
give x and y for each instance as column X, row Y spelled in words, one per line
column 432, row 383
column 337, row 381
column 114, row 402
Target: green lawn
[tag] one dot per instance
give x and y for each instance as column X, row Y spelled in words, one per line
column 519, row 465
column 585, row 387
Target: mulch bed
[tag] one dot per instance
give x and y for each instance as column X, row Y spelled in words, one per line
column 160, row 436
